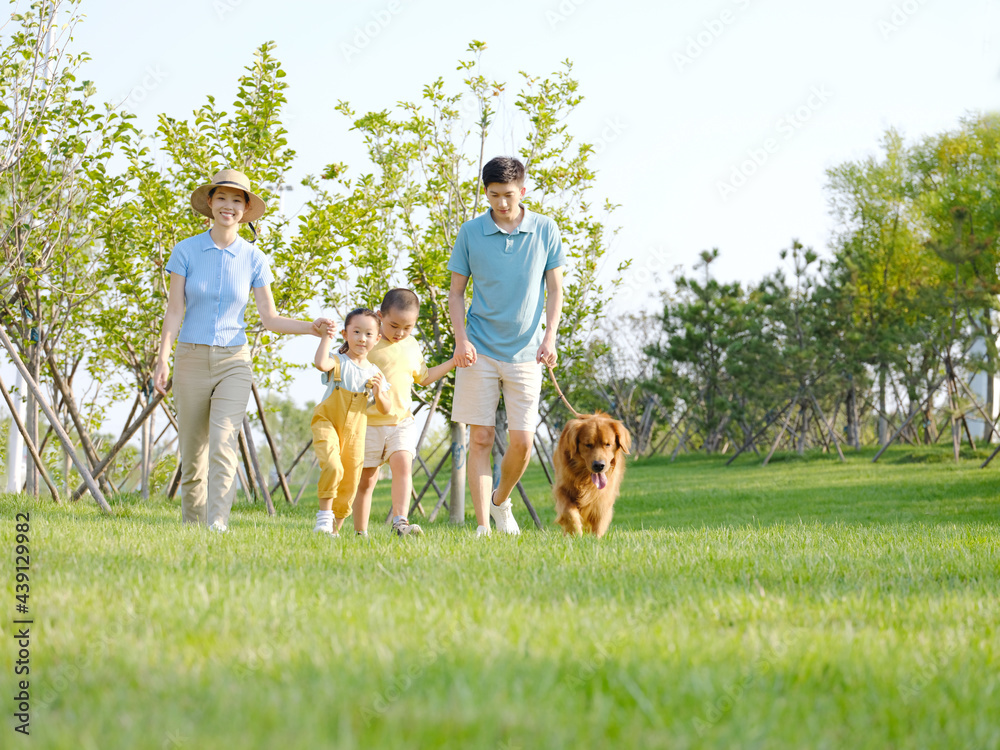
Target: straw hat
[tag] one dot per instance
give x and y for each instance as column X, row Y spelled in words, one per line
column 232, row 179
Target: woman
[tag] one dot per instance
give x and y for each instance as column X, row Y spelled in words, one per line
column 210, row 276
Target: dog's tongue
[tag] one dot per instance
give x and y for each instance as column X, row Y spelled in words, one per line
column 600, row 481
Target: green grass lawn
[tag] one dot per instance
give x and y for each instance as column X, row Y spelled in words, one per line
column 807, row 604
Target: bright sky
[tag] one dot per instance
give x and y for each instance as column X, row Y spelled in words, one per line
column 715, row 121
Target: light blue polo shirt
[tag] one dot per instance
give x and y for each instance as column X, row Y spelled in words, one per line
column 217, row 285
column 504, row 321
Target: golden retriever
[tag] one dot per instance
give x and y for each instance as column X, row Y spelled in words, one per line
column 589, row 463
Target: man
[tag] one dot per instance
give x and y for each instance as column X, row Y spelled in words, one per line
column 514, row 257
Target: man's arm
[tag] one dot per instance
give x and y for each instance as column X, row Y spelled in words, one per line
column 465, row 350
column 553, row 311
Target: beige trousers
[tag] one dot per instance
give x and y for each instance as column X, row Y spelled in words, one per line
column 211, row 390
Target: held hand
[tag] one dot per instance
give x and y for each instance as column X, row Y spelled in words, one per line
column 160, row 375
column 377, row 382
column 323, row 327
column 547, row 353
column 465, row 354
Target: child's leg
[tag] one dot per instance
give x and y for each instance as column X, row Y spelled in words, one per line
column 401, row 463
column 363, row 497
column 374, row 449
column 352, row 459
column 326, row 444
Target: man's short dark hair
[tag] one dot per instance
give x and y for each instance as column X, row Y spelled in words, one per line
column 400, row 299
column 503, row 169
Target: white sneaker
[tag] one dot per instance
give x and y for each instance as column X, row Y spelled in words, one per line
column 482, row 531
column 323, row 528
column 503, row 516
column 219, row 528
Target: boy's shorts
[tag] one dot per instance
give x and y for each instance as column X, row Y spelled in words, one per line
column 381, row 441
column 477, row 393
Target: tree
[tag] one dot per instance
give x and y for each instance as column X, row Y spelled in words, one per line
column 701, row 327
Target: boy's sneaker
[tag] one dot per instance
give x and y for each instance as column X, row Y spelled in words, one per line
column 218, row 527
column 402, row 527
column 482, row 531
column 503, row 516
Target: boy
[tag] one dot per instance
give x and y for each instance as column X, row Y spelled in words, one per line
column 393, row 436
column 514, row 257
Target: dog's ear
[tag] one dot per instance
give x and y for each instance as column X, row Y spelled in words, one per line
column 572, row 434
column 622, row 437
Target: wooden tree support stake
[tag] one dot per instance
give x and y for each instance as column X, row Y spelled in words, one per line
column 833, row 435
column 442, row 502
column 54, row 421
column 250, row 485
column 175, row 482
column 915, row 412
column 27, row 441
column 784, row 427
column 261, row 480
column 541, row 456
column 81, row 429
column 307, row 482
column 270, row 443
column 123, row 440
column 291, row 468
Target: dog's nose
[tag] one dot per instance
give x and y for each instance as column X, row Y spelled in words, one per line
column 597, row 466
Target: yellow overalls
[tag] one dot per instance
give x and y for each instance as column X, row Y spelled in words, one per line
column 338, row 428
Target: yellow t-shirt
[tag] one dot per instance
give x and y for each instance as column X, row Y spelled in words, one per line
column 403, row 365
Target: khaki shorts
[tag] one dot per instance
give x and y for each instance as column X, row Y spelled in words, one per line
column 478, row 387
column 381, row 441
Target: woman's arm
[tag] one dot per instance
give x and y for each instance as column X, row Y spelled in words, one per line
column 274, row 322
column 171, row 325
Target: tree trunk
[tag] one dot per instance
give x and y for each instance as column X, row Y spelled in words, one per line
column 804, row 414
column 147, row 454
column 31, row 421
column 853, row 428
column 991, row 374
column 883, row 425
column 459, row 444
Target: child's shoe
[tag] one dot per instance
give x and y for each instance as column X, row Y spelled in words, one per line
column 402, row 527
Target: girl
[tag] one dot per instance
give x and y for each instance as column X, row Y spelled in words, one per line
column 211, row 275
column 340, row 420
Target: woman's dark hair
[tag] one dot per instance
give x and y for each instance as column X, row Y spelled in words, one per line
column 353, row 314
column 503, row 169
column 246, row 200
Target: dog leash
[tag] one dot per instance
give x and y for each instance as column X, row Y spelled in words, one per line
column 552, row 374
